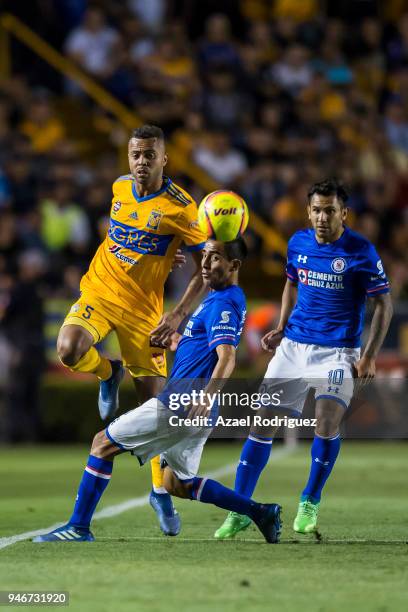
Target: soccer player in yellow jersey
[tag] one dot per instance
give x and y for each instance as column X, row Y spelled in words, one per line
column 123, row 289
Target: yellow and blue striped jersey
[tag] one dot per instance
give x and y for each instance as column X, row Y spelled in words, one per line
column 131, row 265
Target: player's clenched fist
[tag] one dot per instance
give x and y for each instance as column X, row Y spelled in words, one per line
column 272, row 340
column 365, row 368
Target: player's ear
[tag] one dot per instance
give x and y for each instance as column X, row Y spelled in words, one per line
column 308, row 212
column 235, row 265
column 165, row 159
column 344, row 212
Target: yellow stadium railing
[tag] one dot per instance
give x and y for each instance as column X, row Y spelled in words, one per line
column 11, row 25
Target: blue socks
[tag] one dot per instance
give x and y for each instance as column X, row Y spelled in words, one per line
column 254, row 457
column 212, row 492
column 94, row 482
column 324, row 453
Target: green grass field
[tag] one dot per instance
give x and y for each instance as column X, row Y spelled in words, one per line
column 360, row 564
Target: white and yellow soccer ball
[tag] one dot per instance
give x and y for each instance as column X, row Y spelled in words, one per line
column 223, row 215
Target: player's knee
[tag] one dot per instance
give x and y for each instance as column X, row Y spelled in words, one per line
column 174, row 486
column 326, row 428
column 70, row 349
column 101, row 446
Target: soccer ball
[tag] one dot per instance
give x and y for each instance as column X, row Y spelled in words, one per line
column 223, row 215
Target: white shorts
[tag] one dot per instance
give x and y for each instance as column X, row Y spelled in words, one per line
column 295, row 368
column 147, row 432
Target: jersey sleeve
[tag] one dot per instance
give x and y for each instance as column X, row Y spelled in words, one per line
column 224, row 324
column 372, row 273
column 118, row 191
column 291, row 270
column 188, row 229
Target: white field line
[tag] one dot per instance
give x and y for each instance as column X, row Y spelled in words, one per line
column 136, row 502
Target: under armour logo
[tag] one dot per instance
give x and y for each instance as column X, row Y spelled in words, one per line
column 244, row 462
column 302, row 258
column 333, row 389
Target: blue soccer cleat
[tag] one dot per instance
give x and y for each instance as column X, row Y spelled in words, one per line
column 169, row 518
column 269, row 522
column 108, row 400
column 66, row 533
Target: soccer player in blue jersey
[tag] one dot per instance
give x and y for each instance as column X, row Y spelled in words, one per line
column 205, row 358
column 331, row 270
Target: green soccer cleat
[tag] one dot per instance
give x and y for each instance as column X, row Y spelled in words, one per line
column 306, row 518
column 233, row 524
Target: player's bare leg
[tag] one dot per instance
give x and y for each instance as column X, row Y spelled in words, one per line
column 148, row 386
column 73, row 343
column 329, row 415
column 324, row 451
column 103, row 448
column 76, row 351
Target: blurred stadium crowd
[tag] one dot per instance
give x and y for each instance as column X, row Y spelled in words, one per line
column 265, row 96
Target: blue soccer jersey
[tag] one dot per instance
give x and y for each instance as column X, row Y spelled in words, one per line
column 219, row 319
column 333, row 282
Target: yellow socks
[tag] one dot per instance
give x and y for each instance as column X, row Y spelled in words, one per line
column 157, row 475
column 94, row 363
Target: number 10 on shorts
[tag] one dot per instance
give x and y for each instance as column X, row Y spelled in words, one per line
column 335, row 379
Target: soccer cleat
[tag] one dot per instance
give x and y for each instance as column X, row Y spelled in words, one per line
column 233, row 524
column 306, row 518
column 269, row 522
column 169, row 518
column 67, row 533
column 108, row 400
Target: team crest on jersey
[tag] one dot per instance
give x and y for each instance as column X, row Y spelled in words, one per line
column 116, row 207
column 134, row 216
column 302, row 275
column 154, row 219
column 158, row 358
column 338, row 265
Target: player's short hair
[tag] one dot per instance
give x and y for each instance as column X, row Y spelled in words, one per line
column 148, row 131
column 329, row 187
column 236, row 249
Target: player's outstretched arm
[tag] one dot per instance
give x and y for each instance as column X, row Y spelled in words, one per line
column 170, row 321
column 272, row 339
column 383, row 310
column 222, row 371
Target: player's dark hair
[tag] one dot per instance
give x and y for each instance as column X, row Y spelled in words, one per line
column 148, row 131
column 236, row 249
column 329, row 187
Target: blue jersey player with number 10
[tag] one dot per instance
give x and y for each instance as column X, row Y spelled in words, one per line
column 331, row 270
column 205, row 356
